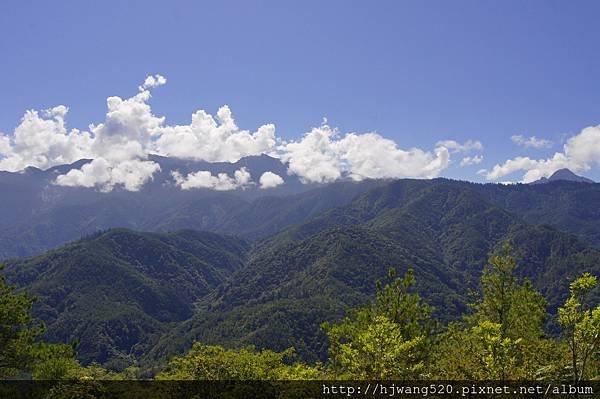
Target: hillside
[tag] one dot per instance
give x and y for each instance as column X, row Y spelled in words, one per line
column 114, row 292
column 314, row 271
column 37, row 215
column 326, row 249
column 567, row 206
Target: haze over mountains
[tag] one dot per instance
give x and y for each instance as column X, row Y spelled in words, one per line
column 278, row 261
column 37, row 215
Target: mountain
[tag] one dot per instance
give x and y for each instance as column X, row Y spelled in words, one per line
column 306, row 258
column 563, row 174
column 568, row 206
column 115, row 292
column 37, row 215
column 315, row 271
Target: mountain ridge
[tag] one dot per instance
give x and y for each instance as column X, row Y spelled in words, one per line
column 319, row 269
column 563, row 174
column 114, row 291
column 302, row 259
column 37, row 216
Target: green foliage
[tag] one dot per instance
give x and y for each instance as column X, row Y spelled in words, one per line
column 393, row 338
column 389, row 339
column 55, row 362
column 499, row 353
column 403, row 307
column 116, row 291
column 567, row 206
column 135, row 299
column 203, row 362
column 581, row 327
column 505, row 301
column 445, row 230
column 21, row 353
column 17, row 331
column 503, row 338
column 372, row 347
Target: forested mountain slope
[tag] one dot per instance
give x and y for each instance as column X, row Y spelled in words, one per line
column 33, row 220
column 568, row 206
column 36, row 215
column 127, row 296
column 114, row 292
column 312, row 272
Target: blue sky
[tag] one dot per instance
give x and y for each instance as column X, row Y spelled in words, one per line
column 416, row 72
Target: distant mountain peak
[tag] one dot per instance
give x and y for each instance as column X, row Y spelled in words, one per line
column 565, row 175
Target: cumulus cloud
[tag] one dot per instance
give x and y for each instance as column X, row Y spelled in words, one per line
column 131, row 174
column 221, row 182
column 322, row 155
column 580, row 153
column 314, row 157
column 532, row 142
column 118, row 145
column 270, row 180
column 474, row 160
column 214, row 139
column 468, row 146
column 372, row 156
column 130, row 131
column 42, row 140
column 152, row 82
column 5, row 147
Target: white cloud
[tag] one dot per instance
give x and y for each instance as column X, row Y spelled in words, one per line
column 131, row 174
column 321, row 155
column 467, row 146
column 221, row 182
column 580, row 153
column 4, row 144
column 214, row 140
column 532, row 141
column 128, row 129
column 270, row 180
column 474, row 160
column 130, row 132
column 152, row 82
column 372, row 156
column 314, row 158
column 120, row 144
column 43, row 141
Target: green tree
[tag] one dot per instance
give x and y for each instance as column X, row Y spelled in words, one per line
column 389, row 339
column 54, row 362
column 516, row 307
column 499, row 353
column 21, row 353
column 581, row 326
column 503, row 338
column 209, row 362
column 17, row 331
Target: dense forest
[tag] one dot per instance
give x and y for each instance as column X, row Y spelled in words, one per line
column 390, row 280
column 502, row 336
column 131, row 299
